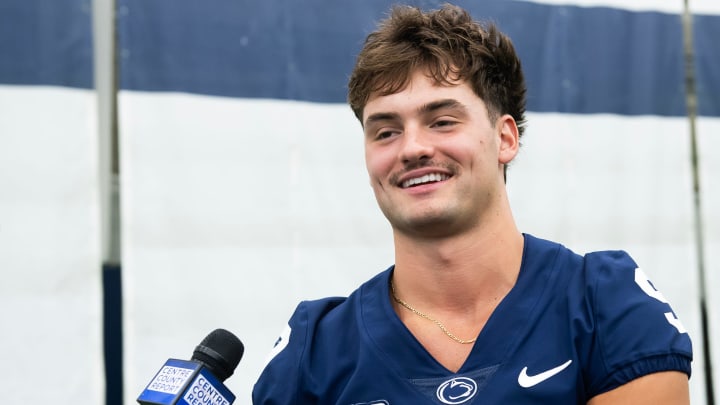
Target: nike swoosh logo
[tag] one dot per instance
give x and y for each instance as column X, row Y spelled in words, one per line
column 527, row 381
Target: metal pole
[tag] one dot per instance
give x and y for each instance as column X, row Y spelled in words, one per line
column 691, row 100
column 106, row 86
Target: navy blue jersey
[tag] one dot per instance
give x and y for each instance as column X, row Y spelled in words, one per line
column 571, row 328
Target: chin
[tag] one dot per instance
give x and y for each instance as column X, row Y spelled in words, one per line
column 429, row 226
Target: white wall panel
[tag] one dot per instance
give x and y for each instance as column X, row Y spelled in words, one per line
column 50, row 298
column 709, row 151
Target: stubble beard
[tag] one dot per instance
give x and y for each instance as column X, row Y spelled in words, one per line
column 433, row 219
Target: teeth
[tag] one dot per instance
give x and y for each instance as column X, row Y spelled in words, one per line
column 428, row 178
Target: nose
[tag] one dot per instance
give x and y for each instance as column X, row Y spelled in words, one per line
column 416, row 146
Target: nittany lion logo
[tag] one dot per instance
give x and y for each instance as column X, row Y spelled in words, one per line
column 457, row 390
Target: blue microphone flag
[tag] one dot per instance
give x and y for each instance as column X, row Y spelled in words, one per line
column 181, row 382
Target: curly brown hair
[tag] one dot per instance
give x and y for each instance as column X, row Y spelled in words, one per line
column 451, row 46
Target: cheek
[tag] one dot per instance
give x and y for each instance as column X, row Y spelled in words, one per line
column 467, row 152
column 378, row 163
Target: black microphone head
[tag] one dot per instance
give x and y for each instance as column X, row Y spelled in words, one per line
column 220, row 352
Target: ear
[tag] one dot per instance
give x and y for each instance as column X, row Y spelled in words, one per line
column 509, row 139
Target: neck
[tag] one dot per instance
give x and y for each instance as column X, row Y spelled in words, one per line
column 460, row 271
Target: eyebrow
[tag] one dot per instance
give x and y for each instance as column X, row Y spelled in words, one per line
column 441, row 104
column 382, row 116
column 424, row 109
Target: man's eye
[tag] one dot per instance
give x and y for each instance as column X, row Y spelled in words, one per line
column 443, row 123
column 384, row 134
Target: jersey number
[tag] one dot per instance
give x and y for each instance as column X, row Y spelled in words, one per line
column 644, row 284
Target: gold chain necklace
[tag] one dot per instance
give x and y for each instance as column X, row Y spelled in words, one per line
column 428, row 317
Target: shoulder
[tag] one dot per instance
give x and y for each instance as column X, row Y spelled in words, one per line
column 336, row 314
column 636, row 332
column 279, row 381
column 621, row 326
column 309, row 338
column 618, row 286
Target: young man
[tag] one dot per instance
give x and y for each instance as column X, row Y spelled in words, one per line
column 473, row 311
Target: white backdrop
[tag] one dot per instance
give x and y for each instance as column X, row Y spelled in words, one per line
column 50, row 294
column 709, row 145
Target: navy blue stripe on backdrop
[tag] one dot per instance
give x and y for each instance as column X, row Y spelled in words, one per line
column 46, row 42
column 577, row 60
column 706, row 37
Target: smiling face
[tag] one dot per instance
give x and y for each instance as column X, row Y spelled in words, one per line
column 434, row 158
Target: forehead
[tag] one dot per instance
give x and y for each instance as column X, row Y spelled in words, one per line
column 420, row 91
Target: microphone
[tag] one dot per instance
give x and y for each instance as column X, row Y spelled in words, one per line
column 200, row 380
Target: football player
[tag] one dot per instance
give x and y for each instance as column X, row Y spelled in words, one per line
column 473, row 311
